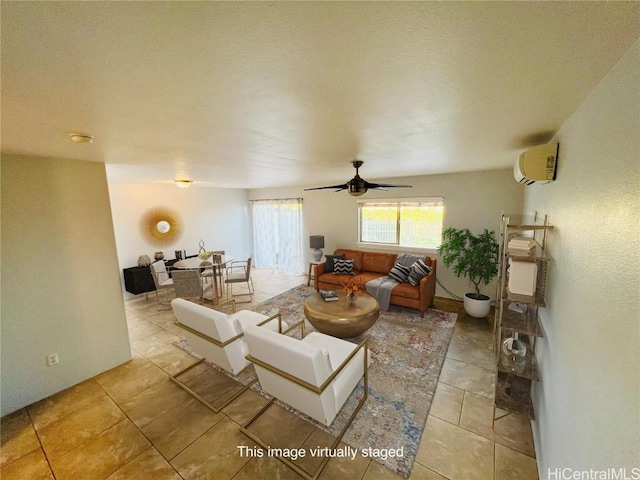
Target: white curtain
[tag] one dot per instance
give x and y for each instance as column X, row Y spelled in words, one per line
column 278, row 235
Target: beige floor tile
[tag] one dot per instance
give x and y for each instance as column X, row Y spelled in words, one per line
column 455, row 453
column 145, row 329
column 280, row 428
column 377, row 471
column 447, row 403
column 215, row 387
column 154, row 402
column 101, row 455
column 79, row 426
column 131, row 383
column 149, row 465
column 168, row 354
column 266, row 467
column 180, row 426
column 153, row 342
column 17, row 436
column 56, row 406
column 318, row 439
column 511, row 464
column 32, row 466
column 511, row 430
column 138, row 361
column 134, row 321
column 162, row 318
column 472, row 350
column 244, row 407
column 468, row 377
column 420, row 472
column 179, row 366
column 193, row 372
column 215, row 455
column 345, row 467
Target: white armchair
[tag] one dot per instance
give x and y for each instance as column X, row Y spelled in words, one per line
column 219, row 337
column 315, row 375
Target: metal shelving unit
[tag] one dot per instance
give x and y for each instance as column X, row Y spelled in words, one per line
column 515, row 374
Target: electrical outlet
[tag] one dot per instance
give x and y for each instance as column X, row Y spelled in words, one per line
column 52, row 359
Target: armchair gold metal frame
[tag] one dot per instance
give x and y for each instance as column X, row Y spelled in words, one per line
column 218, row 343
column 296, row 468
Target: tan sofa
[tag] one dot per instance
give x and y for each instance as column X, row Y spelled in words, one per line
column 371, row 265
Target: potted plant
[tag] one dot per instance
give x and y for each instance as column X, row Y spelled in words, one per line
column 475, row 257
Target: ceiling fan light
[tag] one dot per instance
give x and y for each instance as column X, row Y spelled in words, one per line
column 355, row 191
column 184, row 183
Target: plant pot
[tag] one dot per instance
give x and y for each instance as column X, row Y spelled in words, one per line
column 477, row 306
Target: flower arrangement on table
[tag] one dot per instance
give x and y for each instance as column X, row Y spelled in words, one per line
column 352, row 287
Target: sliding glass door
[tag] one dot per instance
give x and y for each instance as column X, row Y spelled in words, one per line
column 277, row 235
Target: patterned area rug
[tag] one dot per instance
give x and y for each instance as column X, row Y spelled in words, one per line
column 407, row 353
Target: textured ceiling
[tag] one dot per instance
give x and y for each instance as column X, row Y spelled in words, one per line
column 262, row 94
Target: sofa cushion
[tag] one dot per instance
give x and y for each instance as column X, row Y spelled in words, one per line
column 406, row 290
column 378, row 262
column 399, row 273
column 364, row 277
column 328, row 265
column 342, row 267
column 354, row 255
column 418, row 270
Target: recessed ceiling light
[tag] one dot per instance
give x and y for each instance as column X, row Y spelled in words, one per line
column 184, row 183
column 80, row 138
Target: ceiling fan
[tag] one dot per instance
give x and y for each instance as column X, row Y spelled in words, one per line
column 358, row 186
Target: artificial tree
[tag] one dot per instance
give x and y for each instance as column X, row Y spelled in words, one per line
column 474, row 257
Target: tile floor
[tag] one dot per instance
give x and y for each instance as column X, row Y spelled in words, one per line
column 133, row 423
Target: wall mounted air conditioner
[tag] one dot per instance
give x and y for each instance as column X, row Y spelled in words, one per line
column 537, row 165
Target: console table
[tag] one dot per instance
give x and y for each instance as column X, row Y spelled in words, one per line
column 138, row 280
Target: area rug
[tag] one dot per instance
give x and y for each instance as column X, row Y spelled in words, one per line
column 407, row 353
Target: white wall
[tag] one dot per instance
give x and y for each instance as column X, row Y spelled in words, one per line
column 588, row 399
column 60, row 285
column 472, row 200
column 218, row 216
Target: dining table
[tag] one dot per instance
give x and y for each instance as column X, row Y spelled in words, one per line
column 214, row 263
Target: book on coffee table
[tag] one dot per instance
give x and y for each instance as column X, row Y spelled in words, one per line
column 329, row 295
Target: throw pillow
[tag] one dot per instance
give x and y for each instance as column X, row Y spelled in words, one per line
column 343, row 267
column 399, row 273
column 418, row 270
column 328, row 266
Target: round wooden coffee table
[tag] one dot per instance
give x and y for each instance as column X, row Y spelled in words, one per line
column 339, row 318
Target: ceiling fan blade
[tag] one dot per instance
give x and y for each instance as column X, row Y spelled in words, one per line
column 381, row 186
column 342, row 186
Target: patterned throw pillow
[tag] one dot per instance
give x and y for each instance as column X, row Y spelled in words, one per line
column 399, row 273
column 418, row 270
column 328, row 266
column 342, row 267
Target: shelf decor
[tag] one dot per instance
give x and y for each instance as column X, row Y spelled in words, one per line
column 522, row 277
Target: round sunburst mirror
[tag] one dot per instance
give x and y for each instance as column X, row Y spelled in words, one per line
column 161, row 226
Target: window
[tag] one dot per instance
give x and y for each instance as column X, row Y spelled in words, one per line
column 410, row 222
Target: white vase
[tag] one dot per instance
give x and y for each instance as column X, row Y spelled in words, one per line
column 478, row 308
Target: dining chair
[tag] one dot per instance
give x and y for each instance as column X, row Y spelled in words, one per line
column 189, row 284
column 218, row 270
column 239, row 271
column 161, row 279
